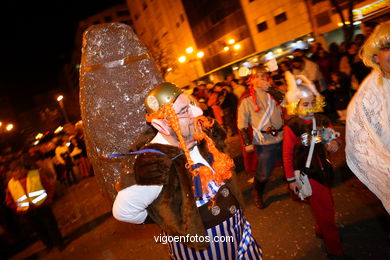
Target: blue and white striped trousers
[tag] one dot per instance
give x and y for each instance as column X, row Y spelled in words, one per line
column 243, row 246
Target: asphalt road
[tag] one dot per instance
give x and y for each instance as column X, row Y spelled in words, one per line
column 284, row 229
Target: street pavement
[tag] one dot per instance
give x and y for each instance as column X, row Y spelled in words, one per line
column 284, row 229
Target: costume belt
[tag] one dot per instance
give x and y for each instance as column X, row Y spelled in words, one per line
column 225, row 205
column 272, row 131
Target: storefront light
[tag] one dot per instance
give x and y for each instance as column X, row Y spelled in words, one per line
column 9, row 127
column 357, row 22
column 226, row 48
column 237, row 46
column 269, row 56
column 59, row 129
column 247, row 64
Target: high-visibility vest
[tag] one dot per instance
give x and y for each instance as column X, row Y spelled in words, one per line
column 35, row 195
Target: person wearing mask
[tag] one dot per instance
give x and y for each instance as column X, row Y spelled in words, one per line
column 260, row 112
column 308, row 136
column 185, row 182
column 368, row 114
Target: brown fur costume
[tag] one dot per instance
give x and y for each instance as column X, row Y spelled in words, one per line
column 175, row 209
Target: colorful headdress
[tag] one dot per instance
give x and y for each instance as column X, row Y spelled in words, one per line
column 301, row 87
column 159, row 105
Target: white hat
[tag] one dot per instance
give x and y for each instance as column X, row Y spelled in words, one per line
column 299, row 87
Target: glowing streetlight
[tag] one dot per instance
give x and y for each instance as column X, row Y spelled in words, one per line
column 182, row 59
column 60, row 102
column 39, row 136
column 226, row 48
column 59, row 129
column 190, row 50
column 200, row 54
column 9, row 127
column 231, row 41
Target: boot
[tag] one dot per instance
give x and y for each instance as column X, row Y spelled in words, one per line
column 258, row 190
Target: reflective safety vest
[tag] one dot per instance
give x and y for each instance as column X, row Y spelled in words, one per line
column 35, row 195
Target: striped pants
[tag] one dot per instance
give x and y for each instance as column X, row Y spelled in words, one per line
column 232, row 239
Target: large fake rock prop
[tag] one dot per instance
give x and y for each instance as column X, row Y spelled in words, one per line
column 116, row 74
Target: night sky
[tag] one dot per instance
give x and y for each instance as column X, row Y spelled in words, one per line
column 37, row 39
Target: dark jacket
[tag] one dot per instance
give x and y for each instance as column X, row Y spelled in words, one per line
column 320, row 169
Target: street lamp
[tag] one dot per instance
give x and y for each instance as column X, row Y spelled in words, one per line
column 200, row 54
column 9, row 127
column 60, row 102
column 182, row 59
column 192, row 59
column 190, row 50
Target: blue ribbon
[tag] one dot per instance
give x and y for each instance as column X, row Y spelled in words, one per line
column 132, row 153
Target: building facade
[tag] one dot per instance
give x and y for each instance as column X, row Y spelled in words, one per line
column 208, row 39
column 327, row 22
column 273, row 23
column 162, row 25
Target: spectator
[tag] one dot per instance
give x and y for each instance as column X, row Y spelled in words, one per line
column 238, row 89
column 334, row 56
column 78, row 153
column 215, row 100
column 340, row 87
column 65, row 164
column 30, row 194
column 323, row 62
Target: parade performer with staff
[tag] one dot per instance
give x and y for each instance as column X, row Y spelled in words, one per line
column 185, row 182
column 177, row 175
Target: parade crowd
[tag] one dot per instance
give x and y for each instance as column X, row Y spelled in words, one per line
column 46, row 169
column 284, row 111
